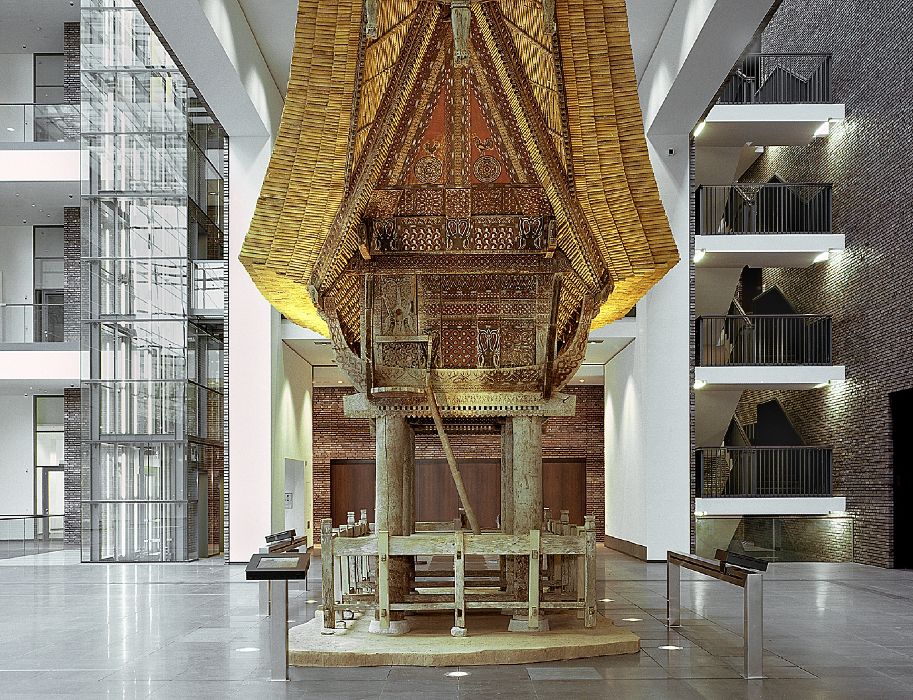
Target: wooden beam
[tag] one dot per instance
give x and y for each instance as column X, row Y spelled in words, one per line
column 451, row 460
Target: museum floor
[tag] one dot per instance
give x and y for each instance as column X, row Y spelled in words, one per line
column 192, row 630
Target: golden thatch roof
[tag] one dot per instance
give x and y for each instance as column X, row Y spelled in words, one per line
column 338, row 80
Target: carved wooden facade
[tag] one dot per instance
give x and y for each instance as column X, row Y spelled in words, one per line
column 457, row 188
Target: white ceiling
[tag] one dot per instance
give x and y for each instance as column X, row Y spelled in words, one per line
column 273, row 25
column 35, row 26
column 49, row 198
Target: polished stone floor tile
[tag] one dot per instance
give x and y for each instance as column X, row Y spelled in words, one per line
column 193, row 631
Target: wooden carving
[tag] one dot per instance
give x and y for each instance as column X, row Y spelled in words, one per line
column 493, row 186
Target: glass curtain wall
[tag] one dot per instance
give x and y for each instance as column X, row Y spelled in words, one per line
column 139, row 337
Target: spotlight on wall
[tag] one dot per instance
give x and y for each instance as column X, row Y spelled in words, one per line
column 699, row 383
column 699, row 128
column 822, row 257
column 699, row 254
column 823, row 130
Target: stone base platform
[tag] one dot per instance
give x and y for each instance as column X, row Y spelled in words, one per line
column 429, row 642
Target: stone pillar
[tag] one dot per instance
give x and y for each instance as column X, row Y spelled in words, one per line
column 395, row 442
column 507, row 477
column 507, row 499
column 409, row 489
column 527, row 471
column 527, row 487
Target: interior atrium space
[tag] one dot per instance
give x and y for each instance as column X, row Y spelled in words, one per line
column 455, row 349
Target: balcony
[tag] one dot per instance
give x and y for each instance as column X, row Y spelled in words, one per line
column 766, row 481
column 764, row 472
column 39, row 123
column 208, row 288
column 764, row 225
column 779, row 78
column 786, row 351
column 31, row 323
column 773, row 99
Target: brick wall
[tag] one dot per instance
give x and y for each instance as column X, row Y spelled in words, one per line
column 72, row 292
column 578, row 437
column 813, row 539
column 72, row 465
column 866, row 159
column 71, row 77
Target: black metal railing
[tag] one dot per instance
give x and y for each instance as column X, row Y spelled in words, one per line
column 779, row 78
column 756, row 472
column 793, row 339
column 748, row 207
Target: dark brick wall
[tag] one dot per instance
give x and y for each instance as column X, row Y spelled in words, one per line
column 579, row 437
column 72, row 464
column 72, row 292
column 813, row 539
column 71, row 77
column 867, row 286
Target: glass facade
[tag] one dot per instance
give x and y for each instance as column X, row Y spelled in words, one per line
column 152, row 215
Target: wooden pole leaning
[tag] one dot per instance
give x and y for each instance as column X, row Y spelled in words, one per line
column 451, row 460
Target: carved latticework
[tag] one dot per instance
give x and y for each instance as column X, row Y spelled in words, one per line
column 496, row 202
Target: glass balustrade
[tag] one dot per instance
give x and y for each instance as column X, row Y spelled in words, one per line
column 39, row 123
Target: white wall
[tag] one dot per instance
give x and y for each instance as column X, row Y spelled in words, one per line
column 17, row 458
column 292, row 446
column 17, row 83
column 647, row 419
column 16, row 264
column 252, row 333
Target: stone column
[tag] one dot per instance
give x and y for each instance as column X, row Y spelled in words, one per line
column 527, row 487
column 507, row 499
column 395, row 442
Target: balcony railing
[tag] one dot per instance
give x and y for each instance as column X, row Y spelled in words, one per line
column 774, row 208
column 758, row 340
column 29, row 123
column 764, row 472
column 208, row 292
column 779, row 78
column 31, row 323
column 21, row 535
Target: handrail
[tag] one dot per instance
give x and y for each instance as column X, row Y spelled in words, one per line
column 763, row 339
column 744, row 208
column 24, row 122
column 763, row 471
column 779, row 78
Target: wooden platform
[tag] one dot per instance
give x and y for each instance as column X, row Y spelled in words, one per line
column 430, row 644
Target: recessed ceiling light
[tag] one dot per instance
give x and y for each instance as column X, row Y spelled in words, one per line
column 670, row 647
column 581, row 381
column 9, row 128
column 339, row 381
column 34, row 205
column 606, row 600
column 248, row 649
column 310, row 601
column 457, row 674
column 632, row 619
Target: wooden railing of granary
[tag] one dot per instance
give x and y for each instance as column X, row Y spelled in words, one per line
column 561, row 564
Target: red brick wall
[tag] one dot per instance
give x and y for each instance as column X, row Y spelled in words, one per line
column 579, row 437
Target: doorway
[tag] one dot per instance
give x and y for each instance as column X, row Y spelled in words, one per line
column 901, row 405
